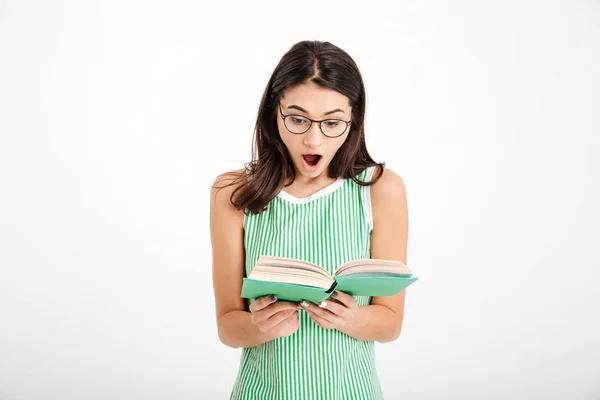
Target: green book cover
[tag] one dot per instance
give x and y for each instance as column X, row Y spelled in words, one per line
column 358, row 278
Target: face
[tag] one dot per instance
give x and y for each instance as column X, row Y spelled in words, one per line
column 317, row 102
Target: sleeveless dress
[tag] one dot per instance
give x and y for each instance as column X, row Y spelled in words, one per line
column 329, row 228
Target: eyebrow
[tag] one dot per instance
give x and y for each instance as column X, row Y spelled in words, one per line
column 304, row 111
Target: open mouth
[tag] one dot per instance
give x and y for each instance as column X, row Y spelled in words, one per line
column 312, row 159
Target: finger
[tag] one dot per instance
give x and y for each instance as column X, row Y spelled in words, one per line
column 320, row 321
column 278, row 318
column 272, row 309
column 262, row 302
column 344, row 298
column 333, row 307
column 338, row 309
column 334, row 300
column 284, row 325
column 326, row 315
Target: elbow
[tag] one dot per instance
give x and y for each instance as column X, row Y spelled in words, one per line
column 224, row 337
column 396, row 333
column 392, row 334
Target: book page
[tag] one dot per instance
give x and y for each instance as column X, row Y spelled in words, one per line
column 286, row 277
column 373, row 265
column 278, row 270
column 291, row 264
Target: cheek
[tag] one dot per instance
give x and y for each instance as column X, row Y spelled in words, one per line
column 336, row 146
column 290, row 143
column 286, row 139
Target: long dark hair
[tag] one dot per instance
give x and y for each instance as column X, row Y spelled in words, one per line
column 330, row 67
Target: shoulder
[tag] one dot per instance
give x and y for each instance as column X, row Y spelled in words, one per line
column 228, row 181
column 388, row 193
column 223, row 188
column 389, row 186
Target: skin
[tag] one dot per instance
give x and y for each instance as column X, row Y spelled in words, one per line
column 267, row 319
column 317, row 101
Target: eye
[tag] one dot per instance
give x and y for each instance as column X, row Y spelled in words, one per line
column 297, row 120
column 332, row 123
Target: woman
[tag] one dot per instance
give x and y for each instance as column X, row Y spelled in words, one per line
column 313, row 192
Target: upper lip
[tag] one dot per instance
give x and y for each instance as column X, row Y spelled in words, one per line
column 312, row 154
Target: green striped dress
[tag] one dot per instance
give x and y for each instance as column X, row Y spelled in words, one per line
column 329, row 227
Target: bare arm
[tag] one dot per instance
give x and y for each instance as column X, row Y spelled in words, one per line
column 238, row 327
column 382, row 319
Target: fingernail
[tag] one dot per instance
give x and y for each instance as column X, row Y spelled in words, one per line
column 334, row 294
column 304, row 303
column 272, row 297
column 323, row 304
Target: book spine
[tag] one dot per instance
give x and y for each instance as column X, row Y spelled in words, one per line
column 332, row 287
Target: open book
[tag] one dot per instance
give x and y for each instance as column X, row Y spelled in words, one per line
column 295, row 280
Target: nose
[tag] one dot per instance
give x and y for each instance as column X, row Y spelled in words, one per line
column 313, row 137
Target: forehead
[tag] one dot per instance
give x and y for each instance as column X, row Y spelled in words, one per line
column 315, row 99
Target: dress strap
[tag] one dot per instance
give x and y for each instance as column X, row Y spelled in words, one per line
column 366, row 190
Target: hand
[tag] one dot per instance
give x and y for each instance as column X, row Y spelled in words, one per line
column 333, row 313
column 277, row 318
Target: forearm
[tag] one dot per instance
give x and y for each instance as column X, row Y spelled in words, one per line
column 374, row 322
column 237, row 330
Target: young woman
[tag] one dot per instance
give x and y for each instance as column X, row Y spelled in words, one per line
column 313, row 192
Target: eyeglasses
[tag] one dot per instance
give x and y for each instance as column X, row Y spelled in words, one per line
column 297, row 124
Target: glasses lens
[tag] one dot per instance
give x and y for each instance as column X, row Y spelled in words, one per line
column 296, row 123
column 333, row 127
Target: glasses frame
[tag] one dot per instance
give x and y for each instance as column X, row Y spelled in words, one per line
column 284, row 116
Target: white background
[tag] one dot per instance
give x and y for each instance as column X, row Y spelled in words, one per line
column 116, row 116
